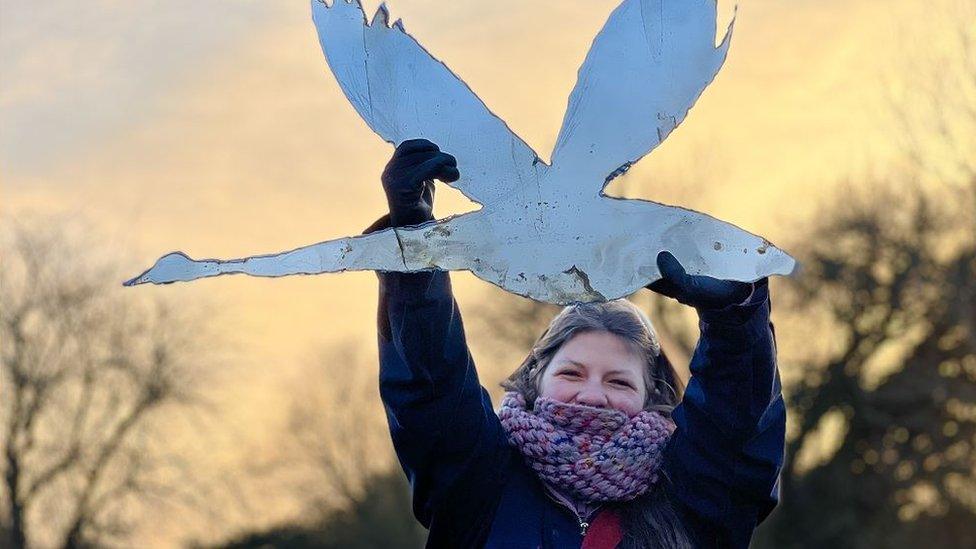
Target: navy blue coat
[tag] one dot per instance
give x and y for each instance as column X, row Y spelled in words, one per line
column 471, row 489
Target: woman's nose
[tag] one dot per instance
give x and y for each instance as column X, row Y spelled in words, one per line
column 591, row 396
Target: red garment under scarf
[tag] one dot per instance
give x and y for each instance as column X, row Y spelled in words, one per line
column 605, row 532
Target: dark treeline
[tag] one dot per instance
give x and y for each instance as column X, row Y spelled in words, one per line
column 379, row 517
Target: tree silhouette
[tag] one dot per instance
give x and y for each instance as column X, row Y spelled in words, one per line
column 337, row 440
column 336, row 456
column 86, row 374
column 900, row 378
column 378, row 518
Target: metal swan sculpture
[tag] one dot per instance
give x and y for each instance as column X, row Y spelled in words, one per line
column 544, row 231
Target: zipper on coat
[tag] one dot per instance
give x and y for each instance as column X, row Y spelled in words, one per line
column 584, row 525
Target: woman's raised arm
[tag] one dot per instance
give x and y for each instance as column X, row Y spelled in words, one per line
column 725, row 457
column 446, row 434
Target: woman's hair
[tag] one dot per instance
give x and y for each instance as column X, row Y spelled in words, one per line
column 650, row 520
column 619, row 317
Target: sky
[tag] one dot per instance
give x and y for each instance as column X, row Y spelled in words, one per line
column 216, row 128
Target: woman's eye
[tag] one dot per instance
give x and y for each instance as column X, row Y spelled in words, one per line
column 569, row 373
column 622, row 383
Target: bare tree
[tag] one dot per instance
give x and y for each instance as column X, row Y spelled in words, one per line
column 933, row 102
column 337, row 438
column 509, row 323
column 335, row 456
column 87, row 374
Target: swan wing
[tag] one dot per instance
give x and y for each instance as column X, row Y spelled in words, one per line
column 402, row 92
column 644, row 71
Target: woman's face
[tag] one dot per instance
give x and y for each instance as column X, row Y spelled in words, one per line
column 596, row 369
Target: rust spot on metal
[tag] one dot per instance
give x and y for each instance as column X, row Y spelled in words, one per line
column 717, row 246
column 765, row 246
column 585, row 280
column 438, row 230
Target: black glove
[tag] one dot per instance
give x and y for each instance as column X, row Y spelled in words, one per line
column 408, row 181
column 700, row 292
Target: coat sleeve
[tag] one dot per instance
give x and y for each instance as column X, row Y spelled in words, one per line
column 447, row 436
column 724, row 459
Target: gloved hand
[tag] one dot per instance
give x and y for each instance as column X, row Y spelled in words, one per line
column 408, row 180
column 701, row 292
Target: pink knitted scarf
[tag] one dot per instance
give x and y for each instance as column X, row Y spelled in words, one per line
column 591, row 454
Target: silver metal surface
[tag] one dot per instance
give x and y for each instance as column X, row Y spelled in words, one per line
column 544, row 231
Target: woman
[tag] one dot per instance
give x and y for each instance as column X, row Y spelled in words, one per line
column 594, row 445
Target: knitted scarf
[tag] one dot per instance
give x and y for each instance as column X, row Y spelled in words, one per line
column 591, row 454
